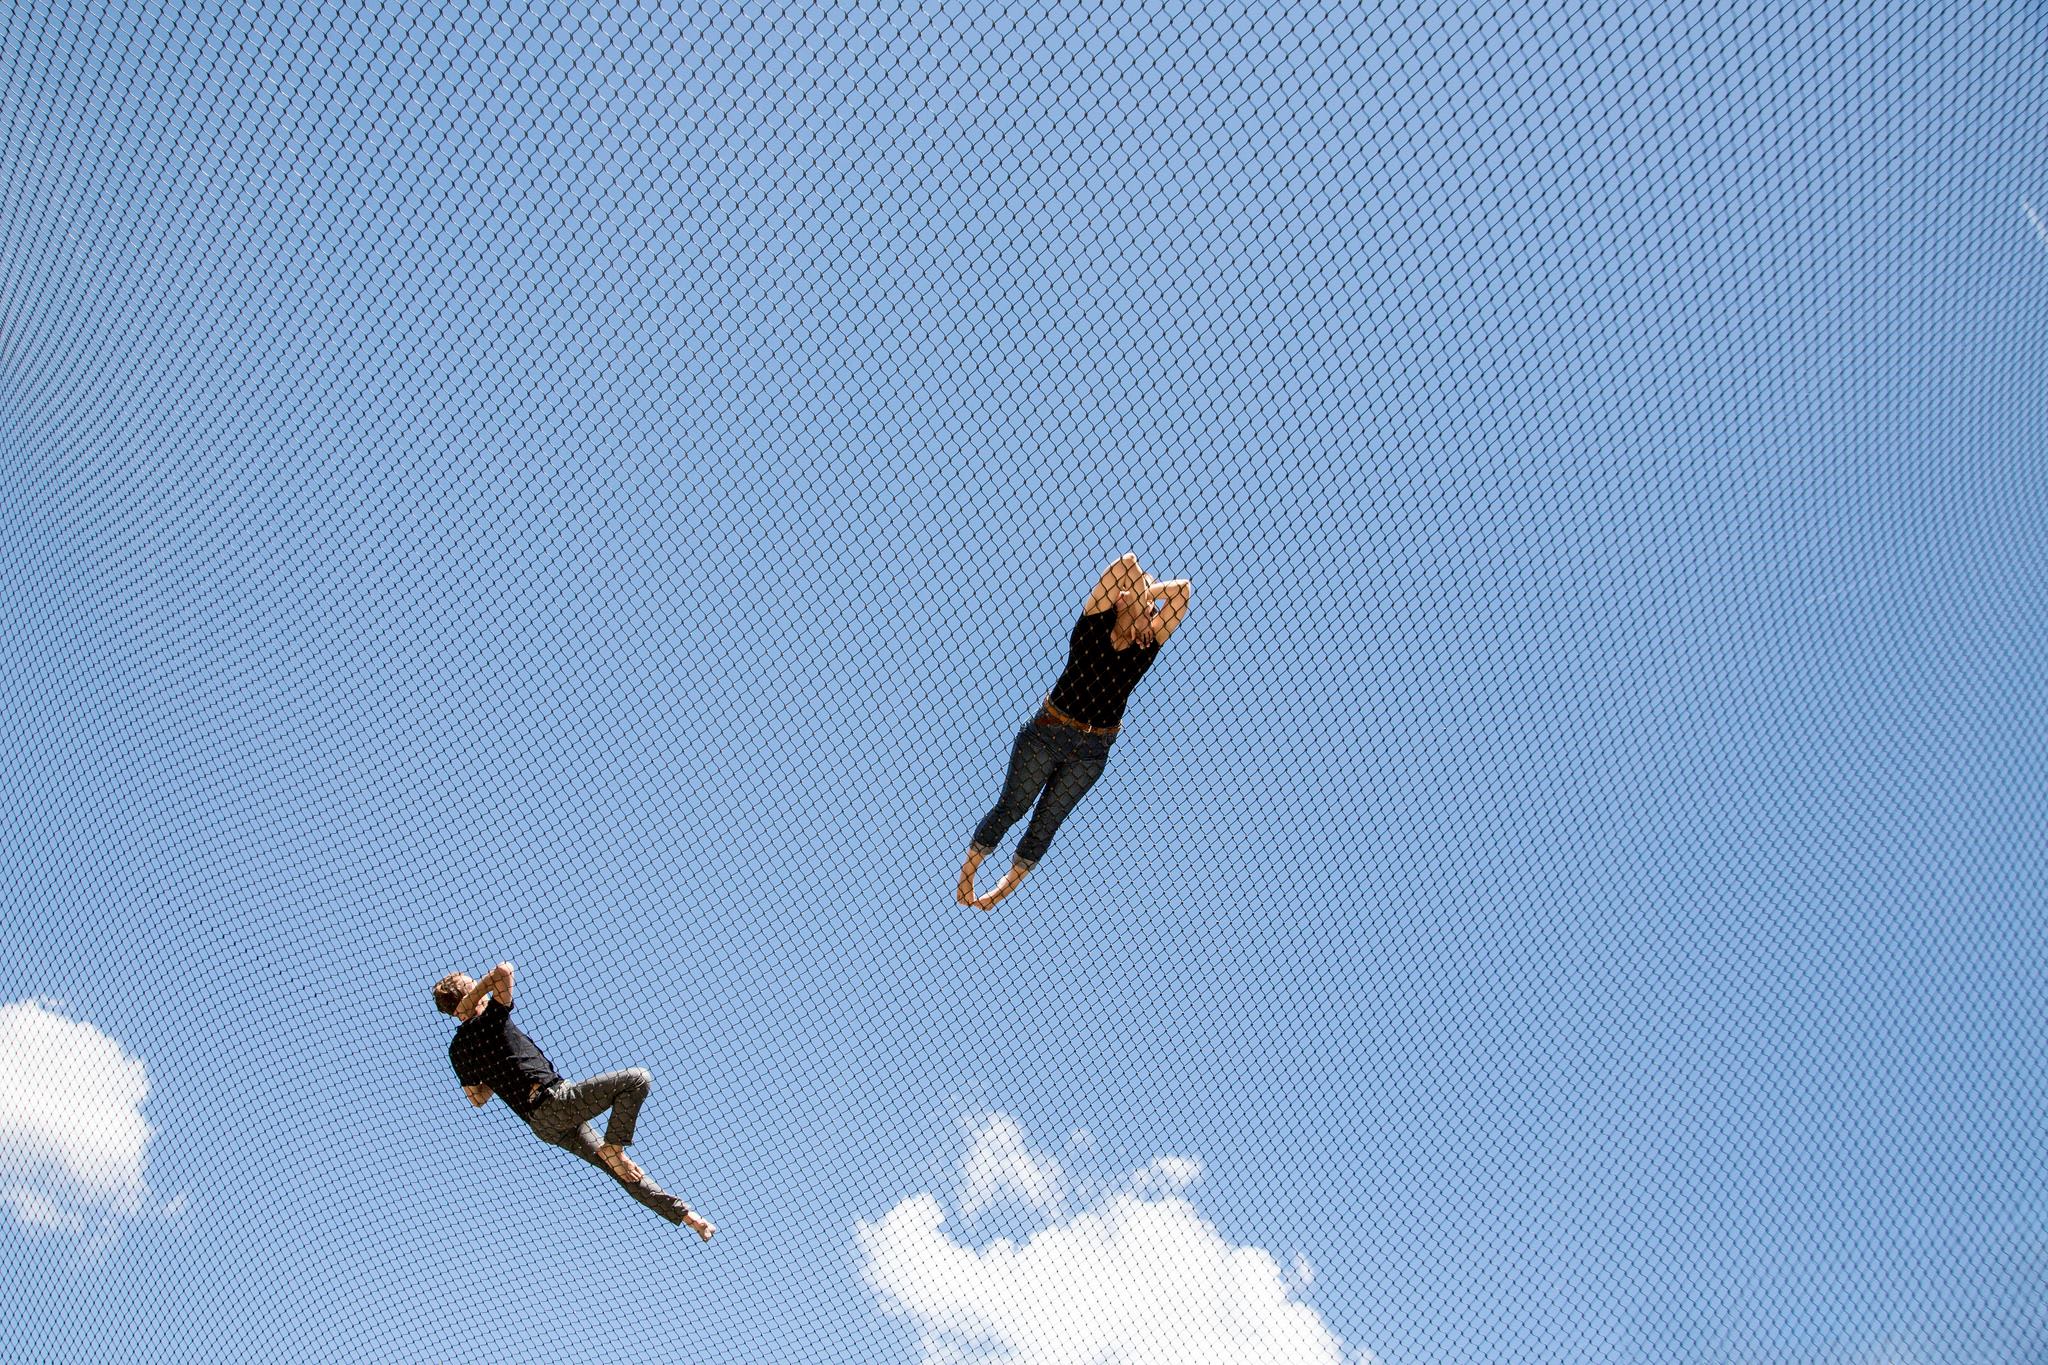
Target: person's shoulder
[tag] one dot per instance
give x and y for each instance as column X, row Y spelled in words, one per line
column 493, row 1012
column 493, row 1018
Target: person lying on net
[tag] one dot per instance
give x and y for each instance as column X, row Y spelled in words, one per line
column 493, row 1057
column 1060, row 751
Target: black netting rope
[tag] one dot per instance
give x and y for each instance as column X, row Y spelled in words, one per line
column 603, row 486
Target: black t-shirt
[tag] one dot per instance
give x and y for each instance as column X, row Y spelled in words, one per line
column 1099, row 677
column 490, row 1050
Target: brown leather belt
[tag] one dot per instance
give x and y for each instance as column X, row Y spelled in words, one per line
column 1052, row 715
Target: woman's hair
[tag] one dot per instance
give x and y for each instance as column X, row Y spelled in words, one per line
column 448, row 992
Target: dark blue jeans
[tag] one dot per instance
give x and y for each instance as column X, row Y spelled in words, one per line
column 1054, row 765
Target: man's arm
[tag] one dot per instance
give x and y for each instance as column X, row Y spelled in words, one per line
column 497, row 981
column 479, row 1095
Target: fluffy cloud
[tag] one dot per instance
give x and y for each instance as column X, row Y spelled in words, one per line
column 73, row 1142
column 1135, row 1276
column 1000, row 1168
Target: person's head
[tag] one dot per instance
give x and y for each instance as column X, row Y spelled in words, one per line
column 1134, row 613
column 450, row 989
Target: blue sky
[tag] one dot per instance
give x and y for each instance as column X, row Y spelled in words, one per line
column 601, row 487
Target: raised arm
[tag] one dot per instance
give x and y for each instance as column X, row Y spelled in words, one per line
column 1123, row 575
column 497, row 981
column 479, row 1095
column 1173, row 606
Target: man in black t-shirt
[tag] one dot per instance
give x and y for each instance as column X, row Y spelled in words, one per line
column 493, row 1056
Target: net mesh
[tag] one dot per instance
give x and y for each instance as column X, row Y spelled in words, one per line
column 602, row 486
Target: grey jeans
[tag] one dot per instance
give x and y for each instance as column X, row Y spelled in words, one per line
column 563, row 1118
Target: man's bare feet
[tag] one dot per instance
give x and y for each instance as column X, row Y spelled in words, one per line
column 618, row 1163
column 699, row 1224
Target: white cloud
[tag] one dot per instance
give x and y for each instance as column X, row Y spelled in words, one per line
column 1167, row 1174
column 1000, row 1168
column 1134, row 1277
column 38, row 1210
column 73, row 1142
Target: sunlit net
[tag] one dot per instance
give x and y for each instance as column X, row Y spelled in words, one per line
column 602, row 486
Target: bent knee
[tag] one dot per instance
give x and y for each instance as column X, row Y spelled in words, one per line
column 639, row 1077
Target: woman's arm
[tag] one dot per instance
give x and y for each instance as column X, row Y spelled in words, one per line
column 1173, row 609
column 1122, row 576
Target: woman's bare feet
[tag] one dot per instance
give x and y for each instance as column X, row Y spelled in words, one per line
column 964, row 893
column 618, row 1163
column 699, row 1224
column 1009, row 883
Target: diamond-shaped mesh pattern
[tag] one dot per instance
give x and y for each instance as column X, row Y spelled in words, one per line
column 602, row 486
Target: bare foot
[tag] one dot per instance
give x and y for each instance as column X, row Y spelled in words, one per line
column 964, row 893
column 618, row 1163
column 699, row 1224
column 1010, row 882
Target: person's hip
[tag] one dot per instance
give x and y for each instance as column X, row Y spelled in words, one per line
column 540, row 1098
column 1057, row 734
column 1053, row 718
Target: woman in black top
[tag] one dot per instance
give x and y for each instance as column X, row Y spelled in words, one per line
column 1061, row 751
